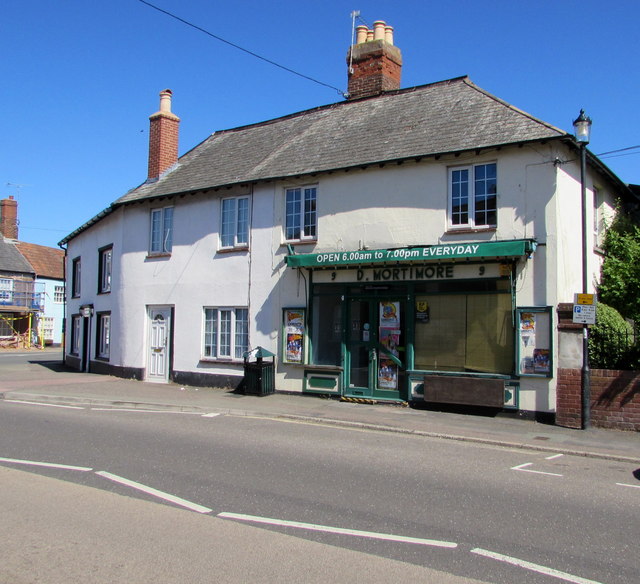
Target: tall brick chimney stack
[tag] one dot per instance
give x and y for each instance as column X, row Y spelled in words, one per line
column 375, row 64
column 9, row 218
column 163, row 137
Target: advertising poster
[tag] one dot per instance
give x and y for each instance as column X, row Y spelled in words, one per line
column 387, row 374
column 389, row 339
column 389, row 314
column 294, row 335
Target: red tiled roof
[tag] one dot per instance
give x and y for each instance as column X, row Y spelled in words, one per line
column 48, row 262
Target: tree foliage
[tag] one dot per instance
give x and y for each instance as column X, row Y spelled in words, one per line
column 620, row 277
column 610, row 340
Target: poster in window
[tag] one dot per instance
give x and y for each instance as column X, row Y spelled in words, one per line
column 387, row 374
column 294, row 335
column 389, row 339
column 535, row 341
column 389, row 314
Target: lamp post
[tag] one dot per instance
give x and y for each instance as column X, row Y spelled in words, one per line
column 582, row 127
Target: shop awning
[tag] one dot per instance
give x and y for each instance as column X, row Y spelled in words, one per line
column 451, row 251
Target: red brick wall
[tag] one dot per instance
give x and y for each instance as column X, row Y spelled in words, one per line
column 615, row 399
column 163, row 143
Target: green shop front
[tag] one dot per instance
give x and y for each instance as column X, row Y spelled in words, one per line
column 436, row 323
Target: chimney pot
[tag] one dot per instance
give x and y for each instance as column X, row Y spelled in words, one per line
column 388, row 34
column 361, row 34
column 378, row 30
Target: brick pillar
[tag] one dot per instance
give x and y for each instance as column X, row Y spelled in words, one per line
column 9, row 218
column 163, row 137
column 569, row 373
column 375, row 65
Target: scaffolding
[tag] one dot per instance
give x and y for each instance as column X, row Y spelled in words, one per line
column 21, row 308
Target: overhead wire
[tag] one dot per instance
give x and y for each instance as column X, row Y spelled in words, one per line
column 235, row 46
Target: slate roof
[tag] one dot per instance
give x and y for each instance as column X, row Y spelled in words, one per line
column 448, row 116
column 445, row 117
column 48, row 262
column 11, row 260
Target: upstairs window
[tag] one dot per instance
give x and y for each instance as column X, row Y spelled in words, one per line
column 105, row 260
column 75, row 278
column 58, row 294
column 161, row 240
column 473, row 194
column 235, row 222
column 300, row 214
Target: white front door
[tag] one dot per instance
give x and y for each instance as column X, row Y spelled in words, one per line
column 159, row 328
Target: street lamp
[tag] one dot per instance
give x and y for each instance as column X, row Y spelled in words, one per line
column 582, row 127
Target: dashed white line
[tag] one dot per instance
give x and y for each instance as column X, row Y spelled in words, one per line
column 17, row 401
column 154, row 492
column 554, row 456
column 46, row 464
column 533, row 567
column 625, row 485
column 339, row 530
column 142, row 411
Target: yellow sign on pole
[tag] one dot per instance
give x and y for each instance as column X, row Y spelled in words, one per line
column 585, row 299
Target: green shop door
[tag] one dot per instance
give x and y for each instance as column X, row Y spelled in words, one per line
column 376, row 358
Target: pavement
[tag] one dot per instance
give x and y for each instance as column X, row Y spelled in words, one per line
column 43, row 379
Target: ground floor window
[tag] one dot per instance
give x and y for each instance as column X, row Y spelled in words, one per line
column 226, row 333
column 465, row 332
column 76, row 321
column 6, row 330
column 104, row 336
column 46, row 327
column 326, row 337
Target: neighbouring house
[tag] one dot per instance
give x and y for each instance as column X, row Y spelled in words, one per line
column 31, row 286
column 405, row 244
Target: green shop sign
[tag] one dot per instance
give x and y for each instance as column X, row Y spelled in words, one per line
column 461, row 251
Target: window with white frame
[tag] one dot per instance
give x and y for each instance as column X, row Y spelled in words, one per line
column 75, row 278
column 473, row 194
column 234, row 231
column 6, row 290
column 161, row 237
column 105, row 260
column 104, row 335
column 300, row 214
column 226, row 333
column 46, row 327
column 76, row 322
column 58, row 294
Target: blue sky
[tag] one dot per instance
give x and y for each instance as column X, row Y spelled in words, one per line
column 81, row 77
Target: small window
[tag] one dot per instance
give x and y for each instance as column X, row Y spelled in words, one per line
column 473, row 194
column 75, row 278
column 235, row 222
column 105, row 259
column 300, row 214
column 58, row 294
column 161, row 240
column 226, row 333
column 76, row 322
column 6, row 291
column 47, row 324
column 104, row 335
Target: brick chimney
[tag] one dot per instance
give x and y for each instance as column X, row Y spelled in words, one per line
column 9, row 218
column 163, row 137
column 375, row 64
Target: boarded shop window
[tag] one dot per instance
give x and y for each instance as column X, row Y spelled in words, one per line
column 326, row 337
column 465, row 332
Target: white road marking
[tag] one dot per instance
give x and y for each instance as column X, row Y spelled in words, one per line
column 533, row 567
column 154, row 492
column 142, row 411
column 17, row 401
column 46, row 464
column 625, row 485
column 339, row 530
column 554, row 456
column 522, row 468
